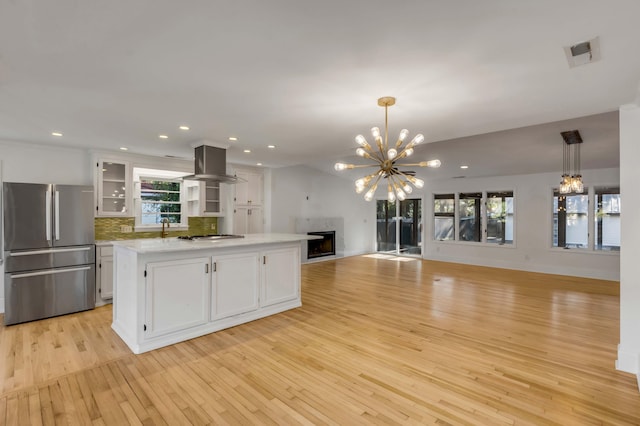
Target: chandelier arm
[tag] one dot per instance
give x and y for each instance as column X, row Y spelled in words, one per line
column 386, row 128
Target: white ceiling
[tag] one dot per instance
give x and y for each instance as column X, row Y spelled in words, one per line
column 305, row 76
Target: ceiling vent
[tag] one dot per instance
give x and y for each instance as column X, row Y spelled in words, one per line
column 583, row 53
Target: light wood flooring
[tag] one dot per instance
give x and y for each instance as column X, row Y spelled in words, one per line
column 377, row 341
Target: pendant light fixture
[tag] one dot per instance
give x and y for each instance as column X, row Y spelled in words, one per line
column 387, row 159
column 571, row 178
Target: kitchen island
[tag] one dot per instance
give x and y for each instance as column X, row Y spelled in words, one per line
column 167, row 290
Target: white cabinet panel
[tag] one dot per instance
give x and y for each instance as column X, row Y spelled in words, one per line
column 177, row 295
column 280, row 275
column 235, row 284
column 250, row 190
column 106, row 278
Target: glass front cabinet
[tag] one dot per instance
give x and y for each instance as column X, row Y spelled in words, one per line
column 113, row 188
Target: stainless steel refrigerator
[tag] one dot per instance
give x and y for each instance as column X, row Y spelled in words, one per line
column 49, row 250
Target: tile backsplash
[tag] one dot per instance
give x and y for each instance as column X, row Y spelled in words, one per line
column 110, row 228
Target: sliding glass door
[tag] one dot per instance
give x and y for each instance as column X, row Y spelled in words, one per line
column 399, row 227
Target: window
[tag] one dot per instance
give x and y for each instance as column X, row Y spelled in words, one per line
column 444, row 216
column 480, row 217
column 500, row 217
column 159, row 200
column 607, row 219
column 570, row 220
column 469, row 216
column 159, row 196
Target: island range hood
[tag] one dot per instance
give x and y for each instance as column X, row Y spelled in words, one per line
column 211, row 165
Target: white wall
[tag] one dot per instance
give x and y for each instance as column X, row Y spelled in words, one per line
column 629, row 348
column 304, row 192
column 23, row 162
column 532, row 250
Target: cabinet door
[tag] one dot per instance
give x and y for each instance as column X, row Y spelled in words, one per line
column 177, row 294
column 113, row 188
column 249, row 191
column 106, row 277
column 240, row 220
column 280, row 275
column 235, row 286
column 255, row 223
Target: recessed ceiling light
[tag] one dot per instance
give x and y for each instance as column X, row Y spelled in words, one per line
column 58, row 134
column 183, row 127
column 163, row 136
column 464, row 167
column 258, row 164
column 271, row 146
column 233, row 138
column 247, row 151
column 124, row 148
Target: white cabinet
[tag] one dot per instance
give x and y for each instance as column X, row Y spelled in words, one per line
column 235, row 284
column 177, row 295
column 113, row 188
column 104, row 275
column 280, row 275
column 205, row 198
column 165, row 293
column 249, row 191
column 247, row 220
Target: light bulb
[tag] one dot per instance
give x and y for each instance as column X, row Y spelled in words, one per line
column 360, row 189
column 407, row 188
column 391, row 154
column 403, row 135
column 434, row 163
column 375, row 132
column 401, row 195
column 361, row 183
column 361, row 152
column 418, row 139
column 340, row 166
column 360, row 140
column 408, row 152
column 369, row 195
column 419, row 183
column 391, row 196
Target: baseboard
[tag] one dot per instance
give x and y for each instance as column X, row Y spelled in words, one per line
column 629, row 362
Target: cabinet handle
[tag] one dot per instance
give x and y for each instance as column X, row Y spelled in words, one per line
column 206, row 268
column 215, row 266
column 264, row 260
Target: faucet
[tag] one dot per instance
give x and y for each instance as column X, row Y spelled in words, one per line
column 164, row 233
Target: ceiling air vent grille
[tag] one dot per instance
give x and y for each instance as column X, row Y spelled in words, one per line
column 583, row 53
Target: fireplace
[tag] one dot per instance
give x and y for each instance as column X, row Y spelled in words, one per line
column 324, row 247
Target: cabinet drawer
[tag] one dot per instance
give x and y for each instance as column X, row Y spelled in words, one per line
column 105, row 251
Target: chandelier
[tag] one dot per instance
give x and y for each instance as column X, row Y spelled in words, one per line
column 386, row 158
column 571, row 178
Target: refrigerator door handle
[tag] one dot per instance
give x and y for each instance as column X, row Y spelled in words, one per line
column 50, row 272
column 45, row 251
column 56, row 214
column 47, row 208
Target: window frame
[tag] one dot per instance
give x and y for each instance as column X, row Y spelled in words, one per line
column 482, row 217
column 142, row 174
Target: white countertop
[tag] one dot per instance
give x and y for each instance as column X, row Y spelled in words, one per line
column 162, row 245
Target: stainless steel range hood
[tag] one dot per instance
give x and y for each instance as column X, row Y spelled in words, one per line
column 211, row 165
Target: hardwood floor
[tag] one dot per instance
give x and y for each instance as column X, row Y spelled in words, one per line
column 377, row 341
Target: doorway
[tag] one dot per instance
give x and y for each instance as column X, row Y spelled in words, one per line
column 399, row 227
